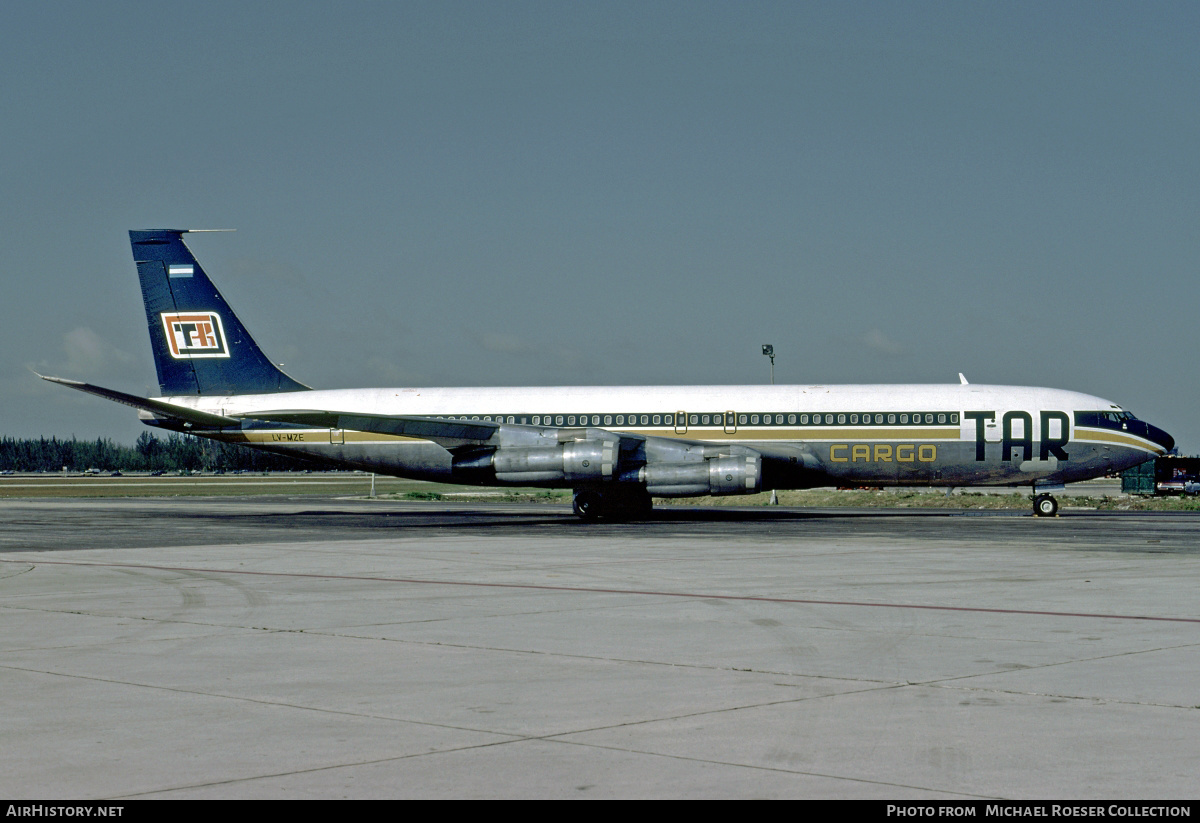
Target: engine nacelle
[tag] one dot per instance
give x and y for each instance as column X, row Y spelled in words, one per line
column 739, row 474
column 580, row 461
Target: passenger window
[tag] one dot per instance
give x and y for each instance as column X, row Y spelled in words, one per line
column 791, row 419
column 558, row 421
column 657, row 419
column 904, row 418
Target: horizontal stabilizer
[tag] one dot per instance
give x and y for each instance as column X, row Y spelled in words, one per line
column 157, row 407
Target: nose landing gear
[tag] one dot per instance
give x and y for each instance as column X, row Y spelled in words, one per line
column 1045, row 505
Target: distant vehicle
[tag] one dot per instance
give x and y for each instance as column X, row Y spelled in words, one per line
column 1177, row 475
column 7, row 471
column 157, row 473
column 616, row 447
column 117, row 473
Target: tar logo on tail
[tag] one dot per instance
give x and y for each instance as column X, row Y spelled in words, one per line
column 195, row 334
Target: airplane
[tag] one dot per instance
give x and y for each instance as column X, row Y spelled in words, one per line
column 617, row 448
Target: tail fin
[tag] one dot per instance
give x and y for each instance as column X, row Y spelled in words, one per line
column 200, row 346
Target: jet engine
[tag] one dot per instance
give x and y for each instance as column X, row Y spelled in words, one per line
column 738, row 474
column 579, row 461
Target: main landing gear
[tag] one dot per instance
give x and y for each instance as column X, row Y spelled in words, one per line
column 1045, row 505
column 612, row 504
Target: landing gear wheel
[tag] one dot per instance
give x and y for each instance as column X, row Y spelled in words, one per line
column 1044, row 505
column 613, row 504
column 588, row 505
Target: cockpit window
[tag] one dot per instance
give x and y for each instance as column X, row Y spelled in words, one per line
column 1103, row 419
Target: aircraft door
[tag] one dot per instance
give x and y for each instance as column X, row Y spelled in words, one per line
column 730, row 423
column 681, row 422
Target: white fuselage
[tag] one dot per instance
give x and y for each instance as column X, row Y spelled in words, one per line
column 957, row 434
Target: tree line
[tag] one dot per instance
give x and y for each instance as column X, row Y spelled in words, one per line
column 174, row 452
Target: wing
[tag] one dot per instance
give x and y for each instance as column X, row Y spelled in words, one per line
column 443, row 431
column 450, row 433
column 487, row 452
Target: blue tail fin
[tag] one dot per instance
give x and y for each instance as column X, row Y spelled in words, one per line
column 200, row 346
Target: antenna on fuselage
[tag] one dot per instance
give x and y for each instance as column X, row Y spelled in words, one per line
column 962, row 379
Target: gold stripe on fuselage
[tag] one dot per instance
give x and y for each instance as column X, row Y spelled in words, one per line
column 1104, row 436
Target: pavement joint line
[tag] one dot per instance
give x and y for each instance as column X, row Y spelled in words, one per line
column 513, row 738
column 535, row 739
column 278, row 704
column 555, row 738
column 948, row 683
column 333, row 766
column 942, row 683
column 776, row 769
column 1101, row 700
column 631, row 592
column 344, row 635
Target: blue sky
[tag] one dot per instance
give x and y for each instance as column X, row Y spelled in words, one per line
column 512, row 193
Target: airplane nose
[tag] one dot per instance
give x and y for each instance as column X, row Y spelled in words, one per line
column 1154, row 433
column 1160, row 437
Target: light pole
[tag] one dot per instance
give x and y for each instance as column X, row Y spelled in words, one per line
column 769, row 351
